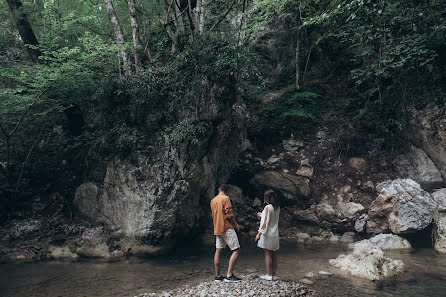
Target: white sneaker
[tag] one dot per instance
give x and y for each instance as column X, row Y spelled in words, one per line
column 266, row 277
column 274, row 278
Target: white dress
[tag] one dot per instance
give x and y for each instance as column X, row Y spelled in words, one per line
column 269, row 238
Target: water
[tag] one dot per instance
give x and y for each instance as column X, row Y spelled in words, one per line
column 427, row 274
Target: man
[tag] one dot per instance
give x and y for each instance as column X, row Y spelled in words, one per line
column 224, row 225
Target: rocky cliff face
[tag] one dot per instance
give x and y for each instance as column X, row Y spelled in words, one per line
column 162, row 193
column 428, row 131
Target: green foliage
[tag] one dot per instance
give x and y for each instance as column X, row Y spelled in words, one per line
column 185, row 133
column 293, row 109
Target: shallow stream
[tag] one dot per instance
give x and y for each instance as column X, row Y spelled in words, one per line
column 426, row 277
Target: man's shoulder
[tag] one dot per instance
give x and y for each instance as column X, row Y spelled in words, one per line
column 219, row 198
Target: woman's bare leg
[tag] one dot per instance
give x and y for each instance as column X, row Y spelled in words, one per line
column 274, row 268
column 268, row 262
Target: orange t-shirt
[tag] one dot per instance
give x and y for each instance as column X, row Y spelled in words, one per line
column 221, row 212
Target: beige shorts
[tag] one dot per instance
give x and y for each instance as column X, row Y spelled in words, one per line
column 228, row 238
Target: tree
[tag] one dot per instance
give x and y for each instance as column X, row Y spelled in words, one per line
column 25, row 30
column 119, row 35
column 135, row 33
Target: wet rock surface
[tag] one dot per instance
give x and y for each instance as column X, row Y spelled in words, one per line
column 250, row 286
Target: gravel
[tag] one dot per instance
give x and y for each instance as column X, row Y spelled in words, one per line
column 251, row 285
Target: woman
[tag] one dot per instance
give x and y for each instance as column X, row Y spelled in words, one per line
column 268, row 235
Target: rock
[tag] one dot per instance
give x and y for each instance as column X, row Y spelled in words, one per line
column 292, row 145
column 24, row 228
column 369, row 264
column 61, row 253
column 306, row 281
column 325, row 273
column 85, row 199
column 273, row 159
column 303, row 237
column 383, row 242
column 401, row 207
column 428, row 131
column 334, row 239
column 306, row 215
column 369, row 184
column 350, row 209
column 321, row 135
column 236, row 195
column 257, row 202
column 417, row 166
column 361, row 223
column 348, row 237
column 310, row 274
column 305, row 170
column 289, row 185
column 358, row 163
column 326, row 212
column 439, row 229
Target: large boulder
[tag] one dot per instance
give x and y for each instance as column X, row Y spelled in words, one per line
column 417, row 166
column 428, row 131
column 291, row 186
column 383, row 242
column 369, row 264
column 439, row 231
column 401, row 207
column 161, row 193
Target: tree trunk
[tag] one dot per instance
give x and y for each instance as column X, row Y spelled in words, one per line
column 135, row 33
column 24, row 27
column 201, row 9
column 118, row 33
column 297, row 61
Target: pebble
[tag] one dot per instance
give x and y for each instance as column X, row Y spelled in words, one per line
column 306, row 281
column 325, row 273
column 249, row 286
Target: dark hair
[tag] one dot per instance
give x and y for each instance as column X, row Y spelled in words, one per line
column 223, row 188
column 271, row 198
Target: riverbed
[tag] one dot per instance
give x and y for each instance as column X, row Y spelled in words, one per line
column 130, row 277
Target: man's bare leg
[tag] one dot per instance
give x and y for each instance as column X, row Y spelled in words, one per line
column 217, row 258
column 233, row 260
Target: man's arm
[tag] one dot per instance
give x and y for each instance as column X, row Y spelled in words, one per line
column 230, row 215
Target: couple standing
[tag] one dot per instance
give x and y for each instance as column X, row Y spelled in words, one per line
column 225, row 226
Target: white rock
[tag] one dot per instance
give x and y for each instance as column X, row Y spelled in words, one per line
column 401, row 207
column 369, row 264
column 361, row 223
column 383, row 242
column 303, row 237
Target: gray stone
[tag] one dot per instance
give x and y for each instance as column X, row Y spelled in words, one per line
column 273, row 159
column 361, row 223
column 291, row 186
column 303, row 237
column 306, row 215
column 292, row 145
column 325, row 212
column 417, row 166
column 358, row 163
column 401, row 207
column 235, row 194
column 383, row 242
column 305, row 170
column 257, row 202
column 428, row 131
column 439, row 229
